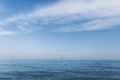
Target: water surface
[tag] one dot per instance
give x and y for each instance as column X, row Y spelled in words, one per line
column 59, row 70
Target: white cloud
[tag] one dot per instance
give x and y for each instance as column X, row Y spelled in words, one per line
column 6, row 32
column 68, row 16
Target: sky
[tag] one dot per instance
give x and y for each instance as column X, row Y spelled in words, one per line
column 50, row 29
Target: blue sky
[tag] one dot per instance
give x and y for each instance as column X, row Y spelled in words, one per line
column 49, row 29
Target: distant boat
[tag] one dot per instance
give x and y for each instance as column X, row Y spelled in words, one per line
column 61, row 58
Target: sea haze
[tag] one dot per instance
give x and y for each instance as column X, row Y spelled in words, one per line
column 59, row 70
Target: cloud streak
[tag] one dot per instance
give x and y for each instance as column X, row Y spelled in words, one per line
column 67, row 16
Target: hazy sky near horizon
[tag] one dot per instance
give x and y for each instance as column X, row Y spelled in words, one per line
column 50, row 29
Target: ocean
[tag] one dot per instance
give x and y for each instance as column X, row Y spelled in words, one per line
column 59, row 70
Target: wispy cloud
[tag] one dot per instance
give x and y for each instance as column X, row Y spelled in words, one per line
column 6, row 32
column 67, row 16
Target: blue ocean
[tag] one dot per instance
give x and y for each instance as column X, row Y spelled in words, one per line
column 59, row 70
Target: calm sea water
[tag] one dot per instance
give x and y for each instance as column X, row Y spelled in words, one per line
column 59, row 70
